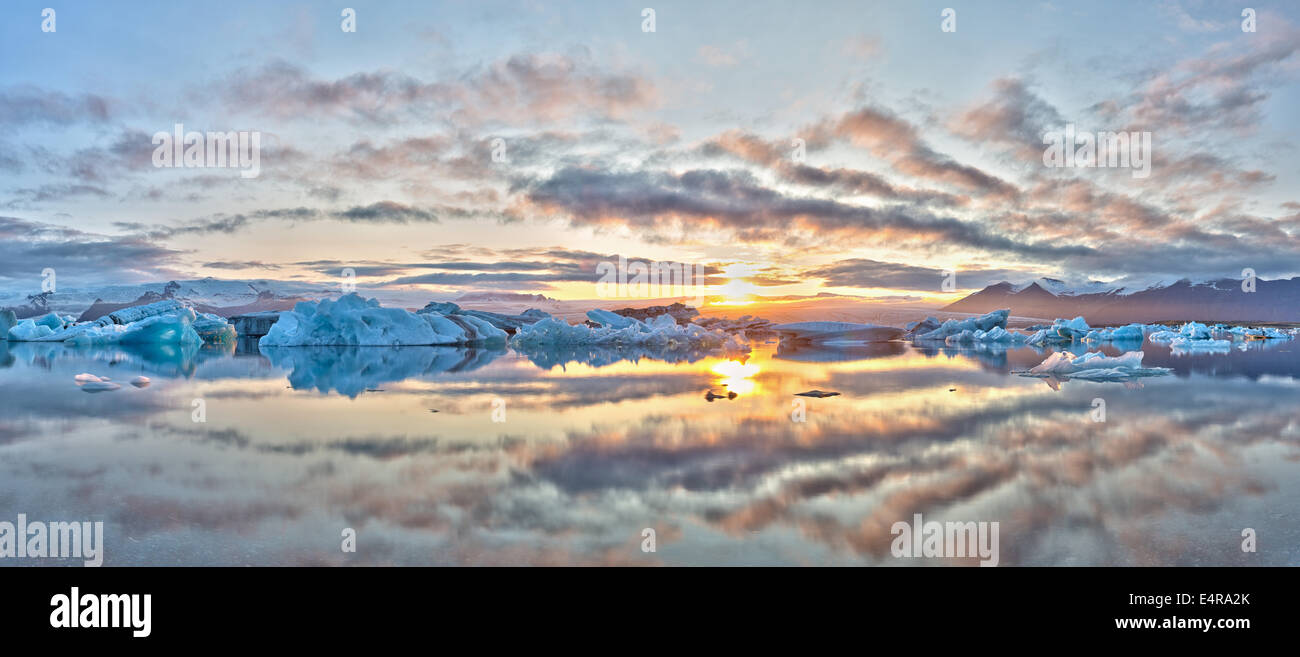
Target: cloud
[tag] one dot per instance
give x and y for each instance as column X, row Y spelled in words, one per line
column 525, row 88
column 54, row 192
column 28, row 247
column 734, row 200
column 25, row 104
column 898, row 142
column 864, row 273
column 1014, row 117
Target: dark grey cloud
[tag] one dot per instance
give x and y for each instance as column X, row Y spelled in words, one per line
column 28, row 247
column 735, row 200
column 861, row 272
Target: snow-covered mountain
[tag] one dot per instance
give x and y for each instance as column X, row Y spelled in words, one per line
column 501, row 297
column 1216, row 301
column 206, row 294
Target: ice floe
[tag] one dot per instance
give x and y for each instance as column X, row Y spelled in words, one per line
column 1179, row 345
column 1095, row 365
column 91, row 383
column 353, row 321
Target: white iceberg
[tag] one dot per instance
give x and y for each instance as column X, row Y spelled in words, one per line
column 1178, row 345
column 611, row 319
column 995, row 335
column 353, row 321
column 1265, row 333
column 1095, row 365
column 1072, row 329
column 987, row 322
column 1190, row 331
column 1132, row 332
column 662, row 332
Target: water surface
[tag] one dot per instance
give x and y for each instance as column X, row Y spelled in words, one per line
column 461, row 456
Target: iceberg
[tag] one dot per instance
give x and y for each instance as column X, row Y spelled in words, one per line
column 1190, row 330
column 163, row 322
column 1095, row 365
column 832, row 334
column 995, row 319
column 1266, row 333
column 172, row 328
column 29, row 331
column 353, row 321
column 610, row 319
column 1178, row 345
column 997, row 335
column 214, row 329
column 1071, row 329
column 508, row 323
column 922, row 327
column 1133, row 332
column 662, row 333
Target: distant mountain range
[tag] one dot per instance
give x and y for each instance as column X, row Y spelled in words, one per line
column 1220, row 300
column 225, row 297
column 222, row 297
column 507, row 297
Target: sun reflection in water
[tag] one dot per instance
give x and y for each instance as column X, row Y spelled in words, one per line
column 736, row 376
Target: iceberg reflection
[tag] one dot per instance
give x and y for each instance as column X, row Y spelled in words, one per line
column 352, row 370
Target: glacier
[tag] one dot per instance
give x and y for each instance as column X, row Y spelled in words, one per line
column 351, row 320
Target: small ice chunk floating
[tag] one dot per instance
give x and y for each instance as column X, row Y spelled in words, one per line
column 353, row 321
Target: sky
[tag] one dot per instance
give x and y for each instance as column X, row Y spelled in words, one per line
column 792, row 148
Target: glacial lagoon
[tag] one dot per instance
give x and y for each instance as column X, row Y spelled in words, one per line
column 448, row 455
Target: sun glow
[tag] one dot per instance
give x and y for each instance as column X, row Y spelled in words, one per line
column 737, row 291
column 736, row 376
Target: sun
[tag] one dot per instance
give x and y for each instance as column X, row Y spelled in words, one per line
column 737, row 291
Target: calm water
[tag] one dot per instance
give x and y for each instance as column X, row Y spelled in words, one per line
column 299, row 444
